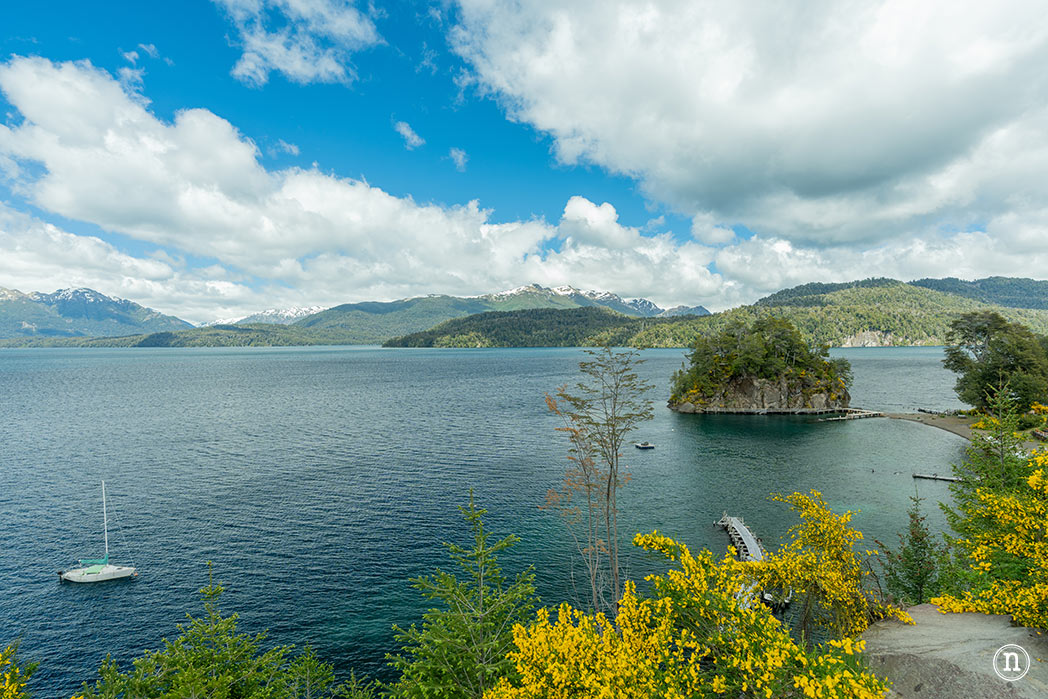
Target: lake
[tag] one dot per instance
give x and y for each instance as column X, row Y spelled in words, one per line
column 319, row 480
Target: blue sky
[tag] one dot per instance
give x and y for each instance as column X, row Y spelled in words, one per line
column 216, row 158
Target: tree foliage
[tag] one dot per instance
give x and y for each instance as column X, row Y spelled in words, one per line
column 1000, row 517
column 771, row 349
column 987, row 351
column 460, row 651
column 598, row 414
column 820, row 566
column 14, row 674
column 914, row 571
column 1006, row 546
column 702, row 634
column 212, row 659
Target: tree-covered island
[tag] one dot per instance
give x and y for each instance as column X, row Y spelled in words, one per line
column 766, row 367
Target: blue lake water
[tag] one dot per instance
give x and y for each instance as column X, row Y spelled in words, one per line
column 319, row 480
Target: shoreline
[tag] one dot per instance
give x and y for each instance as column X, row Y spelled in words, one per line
column 959, row 425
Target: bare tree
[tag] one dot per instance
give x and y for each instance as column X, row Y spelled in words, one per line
column 598, row 416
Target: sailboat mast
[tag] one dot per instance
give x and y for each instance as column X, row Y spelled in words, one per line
column 105, row 520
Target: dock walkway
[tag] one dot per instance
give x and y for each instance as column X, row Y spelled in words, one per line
column 853, row 414
column 747, row 548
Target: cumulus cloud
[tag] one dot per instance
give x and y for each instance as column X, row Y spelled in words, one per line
column 305, row 40
column 819, row 122
column 411, row 139
column 459, row 157
column 88, row 149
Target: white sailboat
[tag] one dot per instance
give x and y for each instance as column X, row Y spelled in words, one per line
column 98, row 570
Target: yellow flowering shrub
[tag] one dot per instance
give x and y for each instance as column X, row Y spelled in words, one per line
column 13, row 677
column 704, row 634
column 1011, row 559
column 820, row 566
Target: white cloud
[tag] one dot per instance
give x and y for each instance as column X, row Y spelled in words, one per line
column 411, row 139
column 459, row 157
column 820, row 122
column 131, row 78
column 705, row 228
column 305, row 40
column 88, row 149
column 150, row 49
column 283, row 147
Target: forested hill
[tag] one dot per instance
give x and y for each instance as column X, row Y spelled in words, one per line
column 374, row 322
column 259, row 335
column 1011, row 292
column 541, row 327
column 1002, row 291
column 873, row 312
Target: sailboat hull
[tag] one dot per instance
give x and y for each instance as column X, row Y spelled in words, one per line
column 92, row 574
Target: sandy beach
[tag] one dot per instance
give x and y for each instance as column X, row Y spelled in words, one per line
column 958, row 424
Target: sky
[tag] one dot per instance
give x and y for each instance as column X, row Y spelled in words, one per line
column 213, row 159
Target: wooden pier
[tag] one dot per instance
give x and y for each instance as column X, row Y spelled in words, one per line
column 853, row 414
column 747, row 546
column 937, row 477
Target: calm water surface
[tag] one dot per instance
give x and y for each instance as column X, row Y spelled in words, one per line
column 319, row 480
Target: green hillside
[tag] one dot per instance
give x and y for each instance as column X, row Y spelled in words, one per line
column 882, row 311
column 374, row 322
column 536, row 327
column 1002, row 291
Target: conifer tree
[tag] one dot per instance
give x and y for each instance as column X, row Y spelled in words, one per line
column 460, row 651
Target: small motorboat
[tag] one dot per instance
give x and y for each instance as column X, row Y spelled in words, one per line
column 644, row 445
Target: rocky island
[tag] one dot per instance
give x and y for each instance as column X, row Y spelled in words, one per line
column 766, row 367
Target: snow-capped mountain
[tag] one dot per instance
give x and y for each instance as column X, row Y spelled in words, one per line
column 275, row 316
column 78, row 312
column 537, row 296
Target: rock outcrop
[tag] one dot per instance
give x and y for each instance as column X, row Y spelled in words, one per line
column 952, row 655
column 762, row 396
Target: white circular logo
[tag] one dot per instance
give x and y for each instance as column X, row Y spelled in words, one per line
column 1011, row 662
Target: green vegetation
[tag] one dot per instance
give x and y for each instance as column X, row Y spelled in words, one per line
column 461, row 649
column 988, row 351
column 543, row 327
column 915, row 571
column 870, row 311
column 258, row 335
column 374, row 322
column 1000, row 517
column 1001, row 291
column 771, row 349
column 211, row 659
column 598, row 416
column 877, row 311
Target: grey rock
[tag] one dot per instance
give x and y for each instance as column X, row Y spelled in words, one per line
column 947, row 656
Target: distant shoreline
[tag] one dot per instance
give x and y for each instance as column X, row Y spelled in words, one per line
column 960, row 425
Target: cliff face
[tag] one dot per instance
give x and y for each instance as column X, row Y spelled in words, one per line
column 753, row 395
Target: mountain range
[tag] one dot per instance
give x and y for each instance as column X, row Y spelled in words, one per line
column 863, row 312
column 869, row 312
column 78, row 313
column 88, row 313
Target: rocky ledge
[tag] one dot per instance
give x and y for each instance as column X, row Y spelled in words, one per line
column 952, row 655
column 766, row 396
